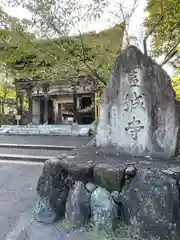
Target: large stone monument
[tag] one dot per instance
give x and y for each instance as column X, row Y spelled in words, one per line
column 106, row 184
column 138, row 113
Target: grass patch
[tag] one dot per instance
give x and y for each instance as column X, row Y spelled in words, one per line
column 122, row 232
column 65, row 224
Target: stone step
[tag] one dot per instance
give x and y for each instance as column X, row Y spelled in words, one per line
column 36, row 146
column 32, row 151
column 21, row 157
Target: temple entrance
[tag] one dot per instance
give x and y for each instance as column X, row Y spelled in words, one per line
column 85, row 102
column 51, row 117
column 86, row 113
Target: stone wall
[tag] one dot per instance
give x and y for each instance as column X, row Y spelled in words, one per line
column 86, row 185
column 59, row 130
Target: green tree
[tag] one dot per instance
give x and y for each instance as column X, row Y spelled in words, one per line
column 66, row 55
column 14, row 40
column 7, row 90
column 59, row 58
column 166, row 36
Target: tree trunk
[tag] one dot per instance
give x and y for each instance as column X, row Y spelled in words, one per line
column 2, row 112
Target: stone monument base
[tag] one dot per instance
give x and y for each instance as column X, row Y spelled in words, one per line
column 87, row 185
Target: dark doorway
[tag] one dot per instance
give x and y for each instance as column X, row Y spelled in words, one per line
column 50, row 112
column 85, row 102
column 41, row 111
column 51, row 119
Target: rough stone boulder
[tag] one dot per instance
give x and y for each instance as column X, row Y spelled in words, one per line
column 151, row 202
column 78, row 205
column 88, row 164
column 138, row 112
column 109, row 177
column 81, row 170
column 143, row 192
column 44, row 212
column 53, row 185
column 103, row 209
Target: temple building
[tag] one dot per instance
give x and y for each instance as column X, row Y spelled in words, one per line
column 57, row 104
column 58, row 100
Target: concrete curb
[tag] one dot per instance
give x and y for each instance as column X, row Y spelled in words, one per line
column 33, row 146
column 20, row 157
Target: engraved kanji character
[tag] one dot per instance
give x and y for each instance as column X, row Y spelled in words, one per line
column 136, row 101
column 134, row 127
column 133, row 79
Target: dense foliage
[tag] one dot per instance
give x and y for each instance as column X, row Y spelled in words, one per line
column 166, row 36
column 60, row 58
column 167, row 33
column 176, row 79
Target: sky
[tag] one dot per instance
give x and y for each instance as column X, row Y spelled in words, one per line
column 107, row 21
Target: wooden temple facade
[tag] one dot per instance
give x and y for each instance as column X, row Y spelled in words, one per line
column 56, row 104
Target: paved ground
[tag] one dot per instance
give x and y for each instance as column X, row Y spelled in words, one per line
column 17, row 199
column 17, row 194
column 45, row 140
column 18, row 182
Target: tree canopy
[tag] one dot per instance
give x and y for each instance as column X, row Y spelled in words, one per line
column 7, row 90
column 166, row 36
column 63, row 57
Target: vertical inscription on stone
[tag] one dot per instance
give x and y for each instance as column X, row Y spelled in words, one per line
column 114, row 116
column 132, row 102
